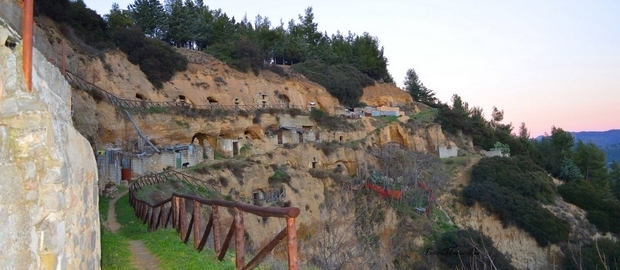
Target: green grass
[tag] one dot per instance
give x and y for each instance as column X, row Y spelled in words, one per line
column 115, row 253
column 424, row 117
column 165, row 244
column 182, row 124
column 453, row 165
column 164, row 190
column 157, row 110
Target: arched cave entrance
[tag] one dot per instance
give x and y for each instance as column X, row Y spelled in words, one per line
column 140, row 96
column 182, row 98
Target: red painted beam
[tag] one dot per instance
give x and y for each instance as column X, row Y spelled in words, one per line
column 27, row 25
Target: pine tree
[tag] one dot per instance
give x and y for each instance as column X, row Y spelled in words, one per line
column 417, row 90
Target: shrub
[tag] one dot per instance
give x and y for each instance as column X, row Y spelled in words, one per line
column 241, row 55
column 601, row 254
column 343, row 81
column 279, row 176
column 603, row 209
column 294, row 112
column 511, row 188
column 223, row 181
column 333, row 123
column 470, row 245
column 156, row 59
column 276, row 69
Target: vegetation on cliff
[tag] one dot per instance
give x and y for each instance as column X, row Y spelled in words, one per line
column 513, row 188
column 241, row 44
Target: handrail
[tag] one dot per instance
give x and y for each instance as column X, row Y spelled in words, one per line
column 143, row 104
column 173, row 211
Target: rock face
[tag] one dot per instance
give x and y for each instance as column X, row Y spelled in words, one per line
column 385, row 94
column 49, row 195
column 522, row 248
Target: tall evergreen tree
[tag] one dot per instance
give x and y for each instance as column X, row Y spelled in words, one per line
column 150, row 17
column 591, row 162
column 416, row 88
column 118, row 19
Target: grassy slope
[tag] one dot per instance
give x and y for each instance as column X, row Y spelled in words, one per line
column 165, row 244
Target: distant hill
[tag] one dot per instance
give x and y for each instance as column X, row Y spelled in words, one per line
column 608, row 141
column 600, row 138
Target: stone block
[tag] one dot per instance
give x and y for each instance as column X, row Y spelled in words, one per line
column 11, row 191
column 4, row 144
column 53, row 201
column 52, row 175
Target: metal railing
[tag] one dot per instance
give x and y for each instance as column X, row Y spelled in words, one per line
column 173, row 211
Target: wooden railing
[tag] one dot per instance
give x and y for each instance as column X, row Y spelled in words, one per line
column 173, row 211
column 143, row 104
column 117, row 101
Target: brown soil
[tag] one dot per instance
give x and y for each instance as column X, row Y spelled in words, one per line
column 142, row 258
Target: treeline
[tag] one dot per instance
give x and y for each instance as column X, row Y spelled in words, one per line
column 242, row 44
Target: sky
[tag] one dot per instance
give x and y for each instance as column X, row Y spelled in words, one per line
column 545, row 63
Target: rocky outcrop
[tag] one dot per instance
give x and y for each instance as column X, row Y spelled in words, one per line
column 422, row 139
column 385, row 94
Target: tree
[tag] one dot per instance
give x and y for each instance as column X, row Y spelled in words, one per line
column 524, row 134
column 150, row 17
column 614, row 174
column 502, row 147
column 591, row 161
column 118, row 19
column 569, row 171
column 416, row 88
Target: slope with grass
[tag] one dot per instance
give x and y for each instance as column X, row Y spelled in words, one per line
column 164, row 244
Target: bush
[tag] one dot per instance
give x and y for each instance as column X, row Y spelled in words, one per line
column 156, row 59
column 276, row 69
column 603, row 209
column 279, row 176
column 333, row 123
column 241, row 55
column 85, row 22
column 223, row 181
column 343, row 81
column 470, row 245
column 512, row 188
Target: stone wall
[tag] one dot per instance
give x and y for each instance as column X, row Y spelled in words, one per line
column 48, row 193
column 446, row 152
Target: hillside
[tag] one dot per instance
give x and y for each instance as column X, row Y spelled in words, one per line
column 608, row 141
column 600, row 138
column 273, row 137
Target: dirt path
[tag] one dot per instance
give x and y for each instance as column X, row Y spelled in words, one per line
column 142, row 258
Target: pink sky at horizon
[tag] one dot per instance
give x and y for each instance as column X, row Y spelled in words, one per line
column 545, row 63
